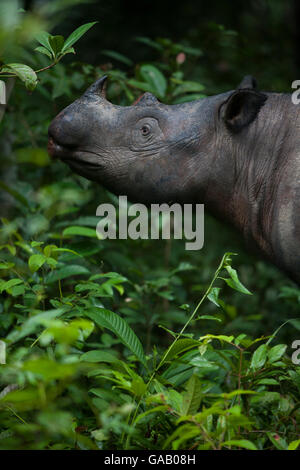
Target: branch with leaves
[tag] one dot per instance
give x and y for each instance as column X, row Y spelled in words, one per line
column 54, row 47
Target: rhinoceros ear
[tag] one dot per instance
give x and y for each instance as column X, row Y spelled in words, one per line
column 147, row 99
column 241, row 108
column 248, row 82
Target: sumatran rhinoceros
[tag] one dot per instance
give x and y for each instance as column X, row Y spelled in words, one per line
column 237, row 152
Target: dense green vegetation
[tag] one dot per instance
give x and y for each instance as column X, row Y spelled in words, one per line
column 122, row 344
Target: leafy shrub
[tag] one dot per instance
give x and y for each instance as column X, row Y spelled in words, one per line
column 90, row 355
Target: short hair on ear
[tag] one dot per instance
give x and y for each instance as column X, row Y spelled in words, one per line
column 241, row 108
column 248, row 82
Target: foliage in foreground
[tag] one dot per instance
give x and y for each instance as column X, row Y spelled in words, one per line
column 89, row 328
column 70, row 384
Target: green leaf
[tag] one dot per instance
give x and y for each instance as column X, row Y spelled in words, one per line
column 66, row 271
column 116, row 324
column 188, row 97
column 70, row 50
column 155, row 78
column 244, row 443
column 227, row 339
column 117, row 56
column 294, row 445
column 192, row 396
column 213, row 296
column 30, row 325
column 156, row 409
column 8, row 284
column 43, row 38
column 276, row 352
column 77, row 35
column 36, row 261
column 36, row 155
column 78, row 230
column 56, row 43
column 234, row 281
column 24, row 72
column 14, row 194
column 141, row 85
column 44, row 51
column 187, row 87
column 278, row 442
column 180, row 346
column 259, row 357
column 209, row 317
column 150, row 43
column 98, row 356
column 6, row 265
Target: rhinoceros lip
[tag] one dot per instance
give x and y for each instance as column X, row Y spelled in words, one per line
column 57, row 150
column 74, row 157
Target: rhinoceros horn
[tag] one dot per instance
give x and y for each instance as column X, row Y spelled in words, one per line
column 98, row 87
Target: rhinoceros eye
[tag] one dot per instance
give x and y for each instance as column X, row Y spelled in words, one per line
column 145, row 130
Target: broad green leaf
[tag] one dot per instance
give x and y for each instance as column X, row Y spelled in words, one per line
column 267, row 381
column 43, row 38
column 138, row 387
column 277, row 441
column 234, row 281
column 116, row 324
column 213, row 296
column 8, row 284
column 180, row 346
column 66, row 271
column 192, row 396
column 202, row 363
column 79, row 230
column 259, row 357
column 70, row 50
column 98, row 356
column 141, row 85
column 44, row 51
column 276, row 352
column 156, row 409
column 155, row 78
column 36, row 261
column 77, row 35
column 244, row 443
column 24, row 72
column 56, row 43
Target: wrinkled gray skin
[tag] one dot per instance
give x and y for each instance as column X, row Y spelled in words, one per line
column 237, row 152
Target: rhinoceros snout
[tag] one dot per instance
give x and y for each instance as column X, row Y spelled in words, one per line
column 64, row 137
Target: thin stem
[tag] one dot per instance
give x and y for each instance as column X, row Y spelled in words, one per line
column 220, row 267
column 194, row 312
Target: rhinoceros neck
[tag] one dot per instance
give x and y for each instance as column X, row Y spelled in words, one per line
column 253, row 184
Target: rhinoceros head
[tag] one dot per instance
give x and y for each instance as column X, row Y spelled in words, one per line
column 150, row 151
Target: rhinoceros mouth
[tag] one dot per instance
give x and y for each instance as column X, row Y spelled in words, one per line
column 57, row 150
column 75, row 158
